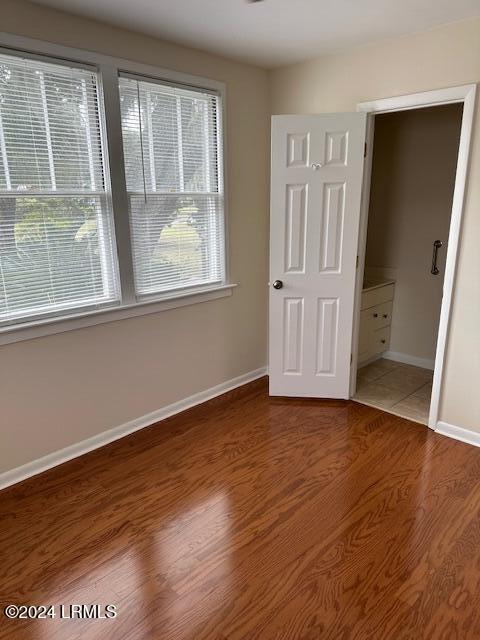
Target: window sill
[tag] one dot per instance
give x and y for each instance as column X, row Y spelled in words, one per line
column 39, row 328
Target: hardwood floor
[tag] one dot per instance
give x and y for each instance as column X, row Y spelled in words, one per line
column 252, row 517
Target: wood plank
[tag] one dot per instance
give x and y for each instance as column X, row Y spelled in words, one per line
column 253, row 517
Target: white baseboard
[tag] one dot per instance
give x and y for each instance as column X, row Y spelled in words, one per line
column 370, row 360
column 458, row 433
column 405, row 358
column 95, row 442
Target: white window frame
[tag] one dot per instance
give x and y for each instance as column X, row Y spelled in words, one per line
column 150, row 190
column 108, row 69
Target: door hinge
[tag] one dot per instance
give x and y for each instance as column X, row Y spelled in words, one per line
column 357, row 263
column 365, row 150
column 351, row 358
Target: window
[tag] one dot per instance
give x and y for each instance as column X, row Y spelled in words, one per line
column 57, row 251
column 172, row 160
column 76, row 246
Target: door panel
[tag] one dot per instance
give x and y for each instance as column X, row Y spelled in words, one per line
column 293, row 336
column 317, row 166
column 296, row 228
column 331, row 233
column 327, row 336
column 298, row 145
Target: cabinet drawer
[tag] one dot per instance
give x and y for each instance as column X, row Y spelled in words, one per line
column 377, row 296
column 380, row 315
column 381, row 340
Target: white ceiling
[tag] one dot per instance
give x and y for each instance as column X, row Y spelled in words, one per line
column 273, row 32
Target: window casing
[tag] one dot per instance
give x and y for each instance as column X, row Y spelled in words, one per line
column 191, row 211
column 57, row 250
column 174, row 182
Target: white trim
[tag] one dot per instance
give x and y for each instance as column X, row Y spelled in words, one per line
column 361, row 252
column 458, row 433
column 83, row 56
column 47, row 327
column 418, row 100
column 452, row 250
column 364, row 363
column 115, row 179
column 56, row 458
column 465, row 94
column 405, row 358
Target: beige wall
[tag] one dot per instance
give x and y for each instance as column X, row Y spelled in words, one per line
column 58, row 390
column 442, row 57
column 413, row 177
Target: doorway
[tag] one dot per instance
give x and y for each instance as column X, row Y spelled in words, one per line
column 462, row 99
column 414, row 160
column 318, row 238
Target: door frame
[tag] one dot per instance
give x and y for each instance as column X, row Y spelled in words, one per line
column 459, row 94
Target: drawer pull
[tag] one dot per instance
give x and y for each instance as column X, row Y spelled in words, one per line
column 385, row 315
column 383, row 341
column 375, row 315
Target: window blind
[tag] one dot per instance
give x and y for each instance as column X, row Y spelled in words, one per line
column 57, row 249
column 172, row 150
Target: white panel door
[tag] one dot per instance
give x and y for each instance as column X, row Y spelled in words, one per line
column 317, row 169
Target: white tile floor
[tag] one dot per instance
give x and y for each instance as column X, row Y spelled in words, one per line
column 400, row 388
